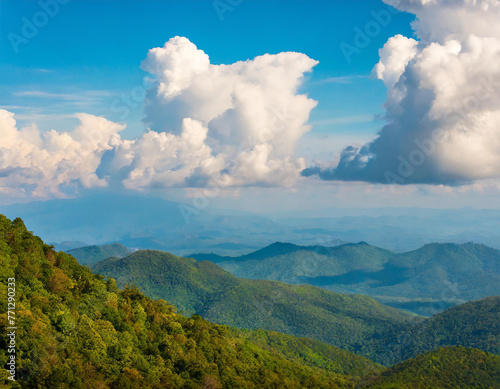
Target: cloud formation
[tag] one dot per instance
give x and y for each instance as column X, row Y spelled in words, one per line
column 32, row 163
column 443, row 100
column 251, row 111
column 210, row 125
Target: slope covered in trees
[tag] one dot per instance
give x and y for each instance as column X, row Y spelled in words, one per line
column 474, row 324
column 204, row 288
column 450, row 367
column 424, row 281
column 76, row 330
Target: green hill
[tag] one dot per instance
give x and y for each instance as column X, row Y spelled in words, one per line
column 474, row 324
column 450, row 367
column 462, row 271
column 291, row 263
column 90, row 255
column 311, row 352
column 74, row 329
column 302, row 310
column 425, row 281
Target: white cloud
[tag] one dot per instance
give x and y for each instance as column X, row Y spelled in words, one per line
column 251, row 110
column 211, row 125
column 443, row 104
column 38, row 164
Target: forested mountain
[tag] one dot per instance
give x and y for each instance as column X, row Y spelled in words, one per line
column 217, row 295
column 474, row 324
column 288, row 262
column 425, row 281
column 355, row 322
column 77, row 330
column 450, row 367
column 90, row 255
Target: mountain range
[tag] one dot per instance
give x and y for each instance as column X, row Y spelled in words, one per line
column 206, row 289
column 424, row 281
column 78, row 329
column 354, row 322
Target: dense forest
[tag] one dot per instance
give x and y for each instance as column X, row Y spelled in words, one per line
column 474, row 324
column 451, row 367
column 77, row 329
column 357, row 323
column 204, row 288
column 424, row 281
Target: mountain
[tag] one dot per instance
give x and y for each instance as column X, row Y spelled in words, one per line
column 427, row 280
column 424, row 281
column 450, row 367
column 354, row 322
column 474, row 324
column 290, row 263
column 74, row 329
column 90, row 255
column 302, row 310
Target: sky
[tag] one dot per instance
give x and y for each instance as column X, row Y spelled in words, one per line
column 259, row 105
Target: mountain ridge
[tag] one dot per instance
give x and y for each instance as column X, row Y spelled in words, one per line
column 207, row 289
column 424, row 281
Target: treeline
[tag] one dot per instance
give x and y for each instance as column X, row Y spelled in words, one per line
column 77, row 330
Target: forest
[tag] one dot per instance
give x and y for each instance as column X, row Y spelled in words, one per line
column 77, row 329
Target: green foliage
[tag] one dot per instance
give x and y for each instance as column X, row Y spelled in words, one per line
column 311, row 352
column 450, row 367
column 474, row 324
column 89, row 255
column 346, row 321
column 291, row 263
column 424, row 281
column 77, row 330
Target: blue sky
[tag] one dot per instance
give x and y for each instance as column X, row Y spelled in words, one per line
column 86, row 57
column 94, row 49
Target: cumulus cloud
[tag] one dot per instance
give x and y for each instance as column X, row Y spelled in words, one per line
column 209, row 125
column 38, row 164
column 251, row 111
column 443, row 103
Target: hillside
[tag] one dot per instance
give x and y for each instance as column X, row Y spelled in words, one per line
column 474, row 324
column 450, row 367
column 425, row 281
column 76, row 330
column 290, row 263
column 89, row 255
column 464, row 271
column 302, row 310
